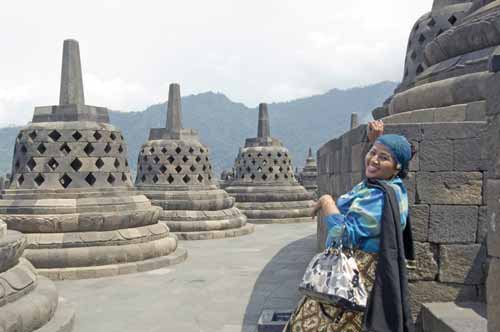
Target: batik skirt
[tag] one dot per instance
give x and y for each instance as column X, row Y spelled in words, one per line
column 314, row 316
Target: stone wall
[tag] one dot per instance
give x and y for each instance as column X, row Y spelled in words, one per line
column 445, row 186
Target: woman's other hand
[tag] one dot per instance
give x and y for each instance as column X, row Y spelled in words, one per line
column 325, row 203
column 375, row 129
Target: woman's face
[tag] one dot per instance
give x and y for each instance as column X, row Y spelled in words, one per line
column 379, row 163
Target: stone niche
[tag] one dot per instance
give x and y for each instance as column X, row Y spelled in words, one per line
column 264, row 184
column 71, row 192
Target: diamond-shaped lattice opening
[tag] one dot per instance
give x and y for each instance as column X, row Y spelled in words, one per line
column 39, row 179
column 413, row 55
column 76, row 164
column 178, row 169
column 97, row 135
column 76, row 135
column 248, row 169
column 90, row 178
column 206, row 158
column 163, row 150
column 112, row 136
column 264, row 162
column 31, row 164
column 202, row 150
column 286, row 176
column 20, row 179
column 111, row 179
column 198, row 159
column 419, row 69
column 271, row 169
column 253, row 161
column 259, row 169
column 249, row 155
column 276, row 176
column 143, row 178
column 264, row 177
column 421, row 38
column 145, row 158
column 53, row 164
column 150, row 168
column 65, row 149
column 116, row 163
column 120, row 149
column 204, row 168
column 431, row 22
column 155, row 178
column 200, row 178
column 163, row 169
column 186, row 178
column 41, row 148
column 252, row 176
column 276, row 161
column 279, row 154
column 288, row 169
column 244, row 162
column 65, row 180
column 178, row 150
column 126, row 163
column 33, row 134
column 17, row 164
column 99, row 163
column 259, row 155
column 20, row 135
column 170, row 179
column 152, row 150
column 89, row 148
column 55, row 135
column 191, row 150
column 185, row 159
column 452, row 19
column 124, row 177
column 269, row 154
column 23, row 149
column 107, row 148
column 192, row 168
column 156, row 159
column 281, row 169
column 171, row 159
column 242, row 176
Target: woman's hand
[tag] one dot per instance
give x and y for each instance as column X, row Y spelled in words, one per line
column 375, row 129
column 325, row 203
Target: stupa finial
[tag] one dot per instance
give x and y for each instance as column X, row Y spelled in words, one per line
column 309, row 155
column 264, row 129
column 174, row 116
column 71, row 75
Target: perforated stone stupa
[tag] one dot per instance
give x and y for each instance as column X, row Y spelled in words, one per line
column 264, row 184
column 72, row 194
column 175, row 172
column 309, row 174
column 28, row 302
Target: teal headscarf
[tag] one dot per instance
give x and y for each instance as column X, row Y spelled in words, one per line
column 399, row 147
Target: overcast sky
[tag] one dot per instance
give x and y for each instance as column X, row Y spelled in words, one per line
column 252, row 51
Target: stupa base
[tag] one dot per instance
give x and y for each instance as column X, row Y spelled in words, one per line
column 216, row 234
column 88, row 272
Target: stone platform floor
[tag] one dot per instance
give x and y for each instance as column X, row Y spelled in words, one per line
column 223, row 286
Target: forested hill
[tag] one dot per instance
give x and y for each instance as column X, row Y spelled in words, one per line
column 223, row 124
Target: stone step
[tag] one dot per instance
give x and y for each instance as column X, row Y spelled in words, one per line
column 454, row 317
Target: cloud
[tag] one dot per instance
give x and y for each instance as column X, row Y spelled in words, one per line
column 261, row 50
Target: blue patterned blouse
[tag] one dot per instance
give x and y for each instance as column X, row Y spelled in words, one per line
column 361, row 213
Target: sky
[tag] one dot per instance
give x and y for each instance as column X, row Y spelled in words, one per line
column 252, row 51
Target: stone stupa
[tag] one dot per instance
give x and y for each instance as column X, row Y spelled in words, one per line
column 175, row 172
column 28, row 302
column 71, row 192
column 264, row 183
column 308, row 176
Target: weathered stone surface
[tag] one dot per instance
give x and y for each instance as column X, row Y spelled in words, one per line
column 450, row 187
column 436, row 155
column 464, row 264
column 427, row 266
column 410, row 184
column 470, row 155
column 453, row 224
column 452, row 317
column 482, row 224
column 419, row 215
column 493, row 219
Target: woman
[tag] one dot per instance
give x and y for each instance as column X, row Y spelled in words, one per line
column 370, row 218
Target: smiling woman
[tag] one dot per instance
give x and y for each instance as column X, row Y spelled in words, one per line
column 371, row 219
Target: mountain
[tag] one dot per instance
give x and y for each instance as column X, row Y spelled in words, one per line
column 223, row 124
